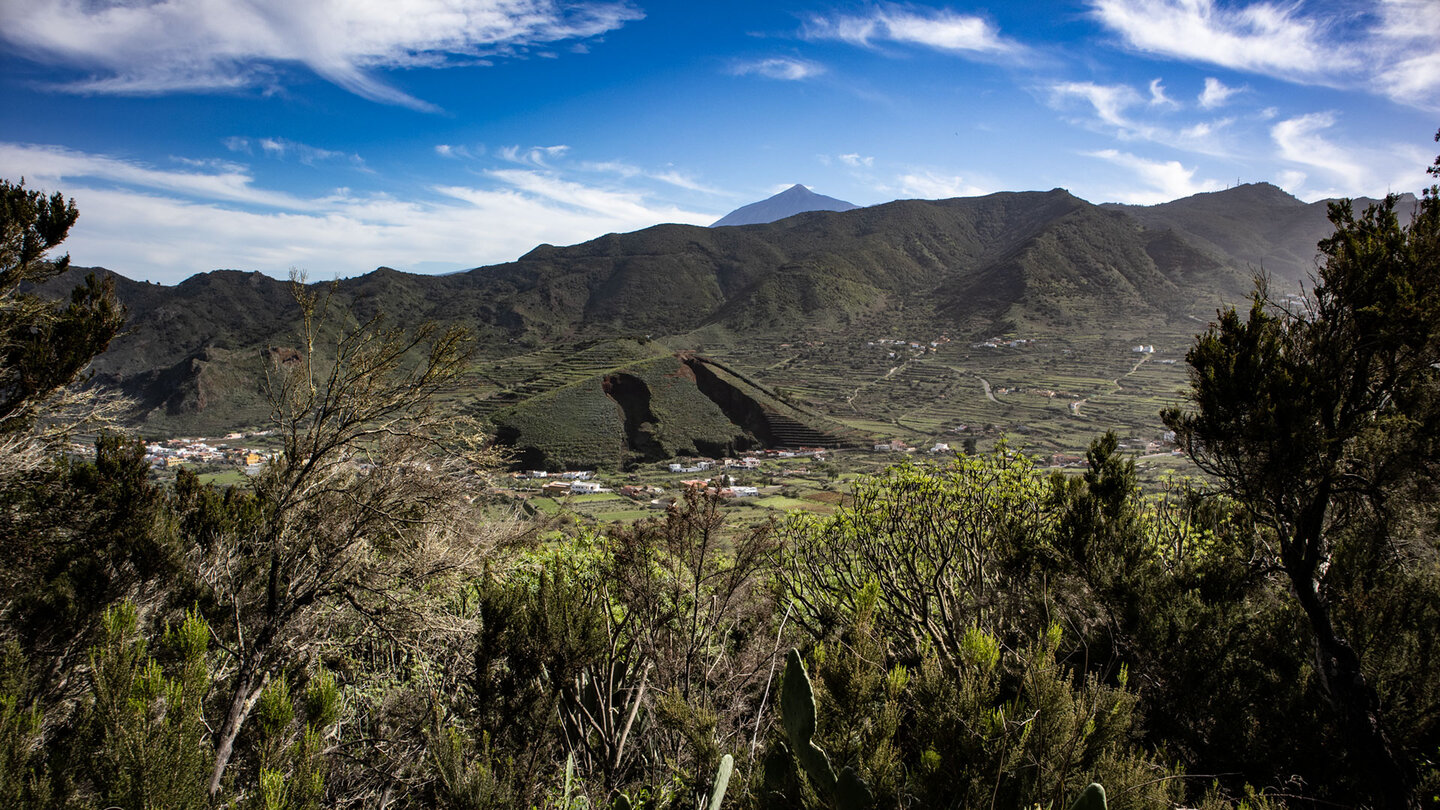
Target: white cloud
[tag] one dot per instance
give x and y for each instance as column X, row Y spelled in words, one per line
column 669, row 176
column 534, row 155
column 55, row 164
column 1300, row 141
column 784, row 68
column 1119, row 109
column 1158, row 97
column 857, row 161
column 1291, row 180
column 136, row 46
column 1407, row 51
column 941, row 30
column 1215, row 94
column 682, row 180
column 1392, row 51
column 1203, row 131
column 1330, row 169
column 1164, row 180
column 1109, row 101
column 450, row 150
column 165, row 226
column 1260, row 37
column 284, row 148
column 930, row 185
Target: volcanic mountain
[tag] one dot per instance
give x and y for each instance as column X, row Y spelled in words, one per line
column 794, row 200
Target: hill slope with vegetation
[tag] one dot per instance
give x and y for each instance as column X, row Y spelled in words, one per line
column 1034, row 264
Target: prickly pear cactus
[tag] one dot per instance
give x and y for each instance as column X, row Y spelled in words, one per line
column 797, row 714
column 1093, row 798
column 722, row 781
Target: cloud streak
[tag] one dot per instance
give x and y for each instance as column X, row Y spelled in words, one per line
column 286, row 149
column 52, row 165
column 1164, row 180
column 784, row 68
column 1109, row 108
column 941, row 30
column 136, row 47
column 166, row 225
column 926, row 184
column 1215, row 94
column 1394, row 51
column 1330, row 169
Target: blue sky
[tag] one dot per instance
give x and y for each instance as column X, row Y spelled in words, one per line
column 336, row 136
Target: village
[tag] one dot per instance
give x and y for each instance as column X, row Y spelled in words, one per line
column 200, row 451
column 226, row 452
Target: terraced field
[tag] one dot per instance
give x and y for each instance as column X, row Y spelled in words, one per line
column 1053, row 393
column 500, row 382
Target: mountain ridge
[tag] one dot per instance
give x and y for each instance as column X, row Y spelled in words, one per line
column 1042, row 262
column 1281, row 243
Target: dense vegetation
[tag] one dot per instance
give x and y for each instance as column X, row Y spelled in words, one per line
column 357, row 627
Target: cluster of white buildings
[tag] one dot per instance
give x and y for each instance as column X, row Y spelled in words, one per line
column 568, row 475
column 175, row 452
column 999, row 342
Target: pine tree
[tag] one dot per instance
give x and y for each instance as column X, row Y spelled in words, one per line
column 44, row 345
column 1324, row 420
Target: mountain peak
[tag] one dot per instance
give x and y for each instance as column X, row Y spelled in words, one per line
column 794, row 200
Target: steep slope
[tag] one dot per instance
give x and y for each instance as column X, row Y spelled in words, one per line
column 653, row 410
column 794, row 200
column 1256, row 226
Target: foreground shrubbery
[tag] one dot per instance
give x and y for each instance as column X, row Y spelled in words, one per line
column 982, row 634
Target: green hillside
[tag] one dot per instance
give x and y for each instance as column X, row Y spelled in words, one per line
column 790, row 305
column 652, row 410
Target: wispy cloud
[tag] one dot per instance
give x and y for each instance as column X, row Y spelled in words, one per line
column 1393, row 51
column 52, row 165
column 785, row 68
column 286, row 149
column 1109, row 101
column 1163, row 180
column 450, row 150
column 1261, row 37
column 1300, row 140
column 857, row 161
column 1331, row 169
column 1215, row 94
column 926, row 184
column 1158, row 97
column 533, row 155
column 618, row 206
column 1127, row 114
column 682, row 180
column 939, row 29
column 140, row 47
column 166, row 225
column 1407, row 42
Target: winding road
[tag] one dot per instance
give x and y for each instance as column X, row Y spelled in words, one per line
column 988, row 395
column 1075, row 406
